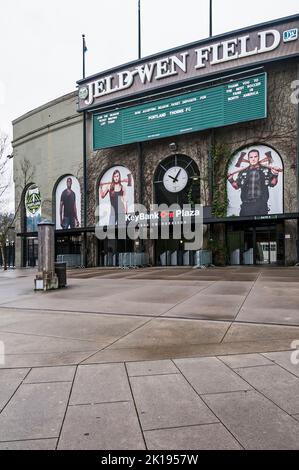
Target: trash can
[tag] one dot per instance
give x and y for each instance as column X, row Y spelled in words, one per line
column 60, row 271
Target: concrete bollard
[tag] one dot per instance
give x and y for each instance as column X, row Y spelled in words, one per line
column 46, row 278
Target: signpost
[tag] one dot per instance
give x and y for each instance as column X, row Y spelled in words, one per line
column 230, row 103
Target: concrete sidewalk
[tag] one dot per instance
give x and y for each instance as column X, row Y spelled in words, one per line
column 156, row 359
column 228, row 402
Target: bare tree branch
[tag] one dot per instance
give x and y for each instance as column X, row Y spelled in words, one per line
column 4, row 144
column 23, row 179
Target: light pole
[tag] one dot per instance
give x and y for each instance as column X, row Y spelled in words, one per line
column 212, row 133
column 84, row 49
column 211, row 19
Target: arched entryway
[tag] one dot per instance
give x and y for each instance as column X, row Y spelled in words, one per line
column 176, row 181
column 255, row 192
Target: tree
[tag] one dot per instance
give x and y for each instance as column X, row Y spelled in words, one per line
column 24, row 177
column 4, row 145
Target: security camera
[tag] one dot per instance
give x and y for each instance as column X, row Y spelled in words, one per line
column 173, row 146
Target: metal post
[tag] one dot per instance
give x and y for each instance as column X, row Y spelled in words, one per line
column 140, row 148
column 212, row 134
column 84, row 189
column 83, row 54
column 211, row 19
column 298, row 147
column 140, row 166
column 84, row 164
column 297, row 166
column 139, row 30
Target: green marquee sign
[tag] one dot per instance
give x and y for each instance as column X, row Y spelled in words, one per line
column 230, row 103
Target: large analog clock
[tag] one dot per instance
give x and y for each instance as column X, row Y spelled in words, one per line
column 175, row 179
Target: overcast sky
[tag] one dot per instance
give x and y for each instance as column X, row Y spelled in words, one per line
column 40, row 42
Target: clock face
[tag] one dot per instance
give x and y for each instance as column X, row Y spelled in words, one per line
column 175, row 179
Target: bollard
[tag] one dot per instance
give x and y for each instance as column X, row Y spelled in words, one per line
column 46, row 279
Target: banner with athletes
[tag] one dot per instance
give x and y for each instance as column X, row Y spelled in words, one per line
column 116, row 195
column 255, row 182
column 68, row 203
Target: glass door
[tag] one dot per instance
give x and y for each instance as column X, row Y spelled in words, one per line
column 259, row 244
column 266, row 247
column 236, row 246
column 109, row 251
column 31, row 252
column 172, row 251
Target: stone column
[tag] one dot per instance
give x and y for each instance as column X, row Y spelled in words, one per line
column 219, row 244
column 290, row 244
column 46, row 278
column 19, row 252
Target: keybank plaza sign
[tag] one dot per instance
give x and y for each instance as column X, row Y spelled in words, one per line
column 252, row 46
column 186, row 223
column 166, row 215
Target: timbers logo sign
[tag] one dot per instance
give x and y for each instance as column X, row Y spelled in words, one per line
column 33, row 201
column 33, row 206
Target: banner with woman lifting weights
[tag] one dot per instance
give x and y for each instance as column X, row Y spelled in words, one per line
column 116, row 196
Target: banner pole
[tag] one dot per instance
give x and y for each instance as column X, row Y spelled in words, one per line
column 84, row 49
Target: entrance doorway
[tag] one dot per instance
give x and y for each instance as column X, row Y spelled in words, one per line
column 68, row 248
column 266, row 247
column 256, row 245
column 109, row 251
column 31, row 252
column 172, row 251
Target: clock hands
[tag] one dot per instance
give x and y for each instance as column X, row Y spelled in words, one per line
column 176, row 178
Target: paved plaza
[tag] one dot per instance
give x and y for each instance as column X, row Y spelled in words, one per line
column 173, row 358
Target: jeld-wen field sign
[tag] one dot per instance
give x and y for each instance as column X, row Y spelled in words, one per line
column 222, row 105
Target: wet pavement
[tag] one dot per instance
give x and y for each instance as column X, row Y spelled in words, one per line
column 103, row 363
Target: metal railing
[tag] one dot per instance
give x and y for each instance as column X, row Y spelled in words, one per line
column 9, row 254
column 200, row 258
column 72, row 261
column 203, row 258
column 133, row 260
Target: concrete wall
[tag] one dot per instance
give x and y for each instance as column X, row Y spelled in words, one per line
column 50, row 138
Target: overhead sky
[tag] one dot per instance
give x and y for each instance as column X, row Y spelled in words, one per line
column 40, row 42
